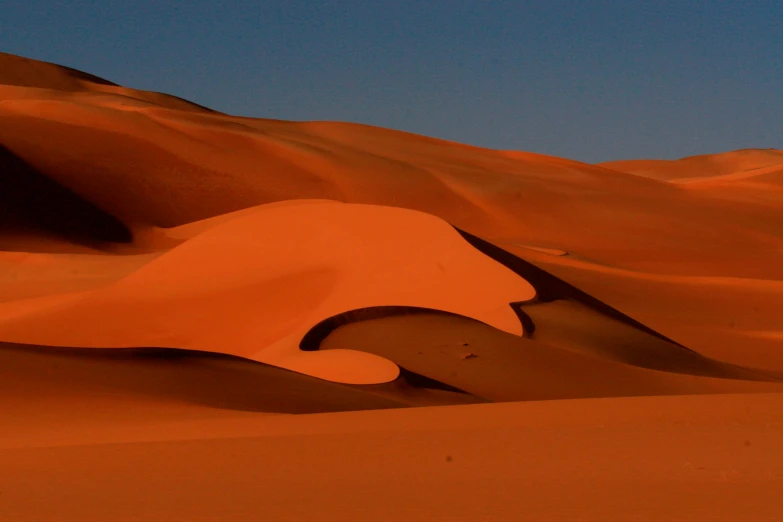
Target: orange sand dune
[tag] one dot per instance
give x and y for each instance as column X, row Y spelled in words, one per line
column 703, row 166
column 496, row 366
column 175, row 283
column 33, row 74
column 735, row 320
column 88, row 388
column 253, row 287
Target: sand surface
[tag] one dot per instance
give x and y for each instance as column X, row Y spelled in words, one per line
column 211, row 317
column 657, row 458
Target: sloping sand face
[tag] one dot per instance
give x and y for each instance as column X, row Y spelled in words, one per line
column 253, row 286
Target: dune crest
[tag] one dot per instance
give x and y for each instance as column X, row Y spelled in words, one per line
column 692, row 168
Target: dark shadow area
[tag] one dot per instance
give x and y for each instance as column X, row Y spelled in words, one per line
column 208, row 379
column 313, row 338
column 550, row 288
column 420, row 381
column 84, row 76
column 565, row 316
column 34, row 373
column 31, row 203
column 528, row 326
column 494, row 365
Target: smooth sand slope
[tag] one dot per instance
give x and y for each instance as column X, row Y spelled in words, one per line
column 255, row 285
column 643, row 458
column 178, row 285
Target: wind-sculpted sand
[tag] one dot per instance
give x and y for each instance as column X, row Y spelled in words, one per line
column 253, row 286
column 203, row 315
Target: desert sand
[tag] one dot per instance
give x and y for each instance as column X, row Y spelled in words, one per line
column 214, row 317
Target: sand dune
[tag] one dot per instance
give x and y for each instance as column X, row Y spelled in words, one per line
column 496, row 366
column 45, row 386
column 703, row 166
column 253, row 287
column 769, row 176
column 18, row 71
column 176, row 283
column 713, row 316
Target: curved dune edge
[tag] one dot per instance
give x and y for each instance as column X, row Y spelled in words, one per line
column 496, row 366
column 575, row 346
column 49, row 382
column 713, row 316
column 254, row 285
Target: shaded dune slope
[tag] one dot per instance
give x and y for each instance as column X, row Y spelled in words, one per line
column 496, row 366
column 31, row 204
column 735, row 320
column 209, row 380
column 565, row 316
column 76, row 381
column 574, row 346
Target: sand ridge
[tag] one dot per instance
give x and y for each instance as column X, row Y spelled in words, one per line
column 702, row 166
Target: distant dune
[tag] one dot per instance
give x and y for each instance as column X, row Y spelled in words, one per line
column 703, row 166
column 177, row 283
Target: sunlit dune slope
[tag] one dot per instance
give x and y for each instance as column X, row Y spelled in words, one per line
column 254, row 285
column 702, row 166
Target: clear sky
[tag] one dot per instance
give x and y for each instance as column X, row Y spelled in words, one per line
column 592, row 80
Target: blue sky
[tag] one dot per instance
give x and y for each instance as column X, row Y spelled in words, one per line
column 589, row 80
